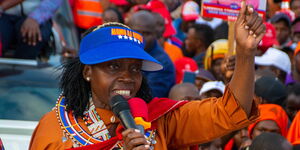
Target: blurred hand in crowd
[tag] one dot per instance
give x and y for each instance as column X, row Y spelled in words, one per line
column 68, row 53
column 31, row 32
column 227, row 67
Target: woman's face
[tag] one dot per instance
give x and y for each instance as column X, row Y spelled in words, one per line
column 120, row 76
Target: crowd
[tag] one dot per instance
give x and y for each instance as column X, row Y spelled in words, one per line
column 193, row 51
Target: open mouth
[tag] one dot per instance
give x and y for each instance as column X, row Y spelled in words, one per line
column 124, row 93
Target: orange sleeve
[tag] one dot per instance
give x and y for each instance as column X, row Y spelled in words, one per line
column 202, row 121
column 48, row 135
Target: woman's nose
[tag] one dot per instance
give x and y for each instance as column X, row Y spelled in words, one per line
column 126, row 76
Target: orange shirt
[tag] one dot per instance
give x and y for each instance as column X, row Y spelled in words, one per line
column 294, row 131
column 193, row 123
column 173, row 51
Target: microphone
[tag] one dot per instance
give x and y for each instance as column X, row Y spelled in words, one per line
column 121, row 109
column 139, row 111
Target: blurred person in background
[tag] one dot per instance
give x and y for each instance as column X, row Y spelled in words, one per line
column 294, row 131
column 156, row 6
column 212, row 89
column 26, row 25
column 199, row 37
column 295, row 7
column 272, row 7
column 184, row 91
column 203, row 76
column 296, row 30
column 123, row 6
column 87, row 13
column 272, row 119
column 270, row 141
column 173, row 51
column 214, row 57
column 264, row 73
column 239, row 140
column 269, row 40
column 160, row 82
column 275, row 60
column 112, row 15
column 282, row 23
column 183, row 65
column 294, row 76
column 270, row 90
column 173, row 6
column 292, row 102
column 213, row 145
column 219, row 26
column 189, row 13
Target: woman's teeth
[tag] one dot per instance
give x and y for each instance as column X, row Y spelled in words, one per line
column 123, row 92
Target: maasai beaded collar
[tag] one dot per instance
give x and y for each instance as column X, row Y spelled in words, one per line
column 71, row 127
column 94, row 123
column 78, row 135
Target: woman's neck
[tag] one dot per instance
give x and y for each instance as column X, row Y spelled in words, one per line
column 99, row 103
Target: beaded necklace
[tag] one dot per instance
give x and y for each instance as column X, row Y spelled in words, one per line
column 96, row 126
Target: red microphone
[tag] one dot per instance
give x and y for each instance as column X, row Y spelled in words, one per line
column 139, row 111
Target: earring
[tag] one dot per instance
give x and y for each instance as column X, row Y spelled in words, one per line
column 88, row 79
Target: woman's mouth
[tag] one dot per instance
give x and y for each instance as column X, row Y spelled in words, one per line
column 124, row 93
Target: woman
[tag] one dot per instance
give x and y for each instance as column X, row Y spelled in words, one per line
column 110, row 62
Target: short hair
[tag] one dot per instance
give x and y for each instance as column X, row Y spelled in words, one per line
column 205, row 33
column 182, row 90
column 77, row 90
column 270, row 141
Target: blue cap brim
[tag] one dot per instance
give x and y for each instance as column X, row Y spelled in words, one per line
column 118, row 50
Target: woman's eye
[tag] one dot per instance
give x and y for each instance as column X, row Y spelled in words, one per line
column 136, row 69
column 114, row 66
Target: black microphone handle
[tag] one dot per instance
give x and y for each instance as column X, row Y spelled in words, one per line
column 141, row 128
column 128, row 121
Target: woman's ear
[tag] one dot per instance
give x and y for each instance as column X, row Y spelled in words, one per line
column 87, row 72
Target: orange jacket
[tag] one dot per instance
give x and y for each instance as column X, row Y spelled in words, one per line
column 294, row 131
column 193, row 123
column 87, row 13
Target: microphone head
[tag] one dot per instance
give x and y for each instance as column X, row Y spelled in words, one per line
column 138, row 108
column 118, row 103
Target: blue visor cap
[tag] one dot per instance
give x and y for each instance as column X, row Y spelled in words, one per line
column 109, row 43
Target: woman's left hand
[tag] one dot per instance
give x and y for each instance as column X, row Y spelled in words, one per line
column 134, row 140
